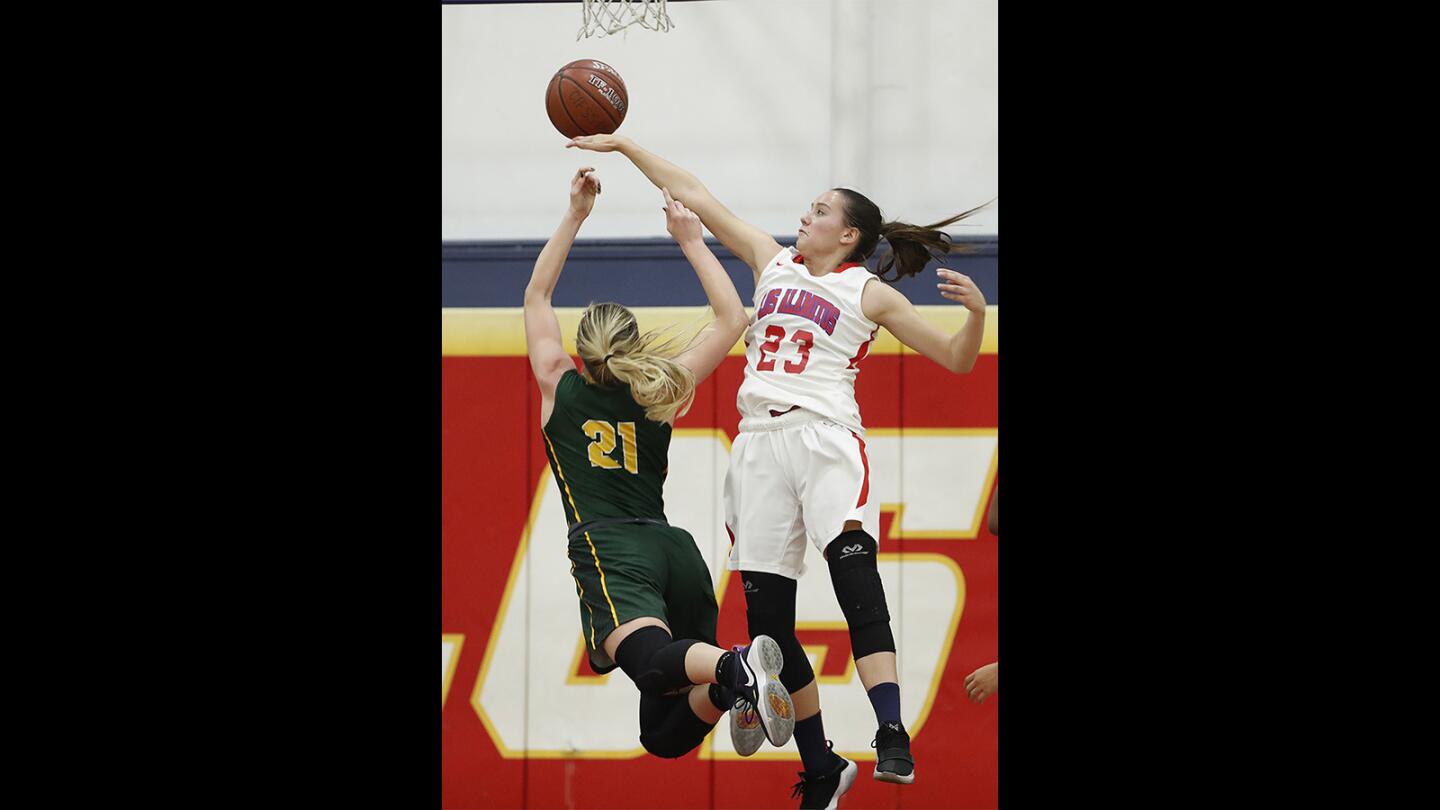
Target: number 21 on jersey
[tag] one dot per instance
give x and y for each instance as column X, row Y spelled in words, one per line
column 603, row 434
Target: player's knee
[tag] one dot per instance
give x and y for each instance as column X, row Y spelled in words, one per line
column 668, row 727
column 654, row 661
column 856, row 576
column 670, row 745
column 658, row 747
column 770, row 611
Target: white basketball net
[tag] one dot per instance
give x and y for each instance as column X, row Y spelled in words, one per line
column 611, row 16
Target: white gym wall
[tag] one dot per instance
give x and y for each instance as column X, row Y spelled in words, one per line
column 769, row 103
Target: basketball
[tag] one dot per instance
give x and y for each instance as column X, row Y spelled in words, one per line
column 586, row 97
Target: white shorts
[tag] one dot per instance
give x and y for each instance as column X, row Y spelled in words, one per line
column 800, row 479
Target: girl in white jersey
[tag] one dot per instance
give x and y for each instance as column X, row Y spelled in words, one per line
column 798, row 470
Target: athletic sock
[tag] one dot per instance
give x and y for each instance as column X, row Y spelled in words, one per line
column 725, row 668
column 722, row 697
column 810, row 739
column 885, row 697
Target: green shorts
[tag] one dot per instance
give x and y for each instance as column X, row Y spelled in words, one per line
column 630, row 571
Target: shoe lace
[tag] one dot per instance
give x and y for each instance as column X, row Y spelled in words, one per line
column 745, row 699
column 797, row 790
column 888, row 733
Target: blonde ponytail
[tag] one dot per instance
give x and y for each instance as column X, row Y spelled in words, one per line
column 615, row 353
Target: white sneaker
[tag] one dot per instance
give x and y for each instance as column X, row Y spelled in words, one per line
column 746, row 733
column 760, row 665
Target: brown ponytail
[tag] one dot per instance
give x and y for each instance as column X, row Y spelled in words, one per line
column 911, row 246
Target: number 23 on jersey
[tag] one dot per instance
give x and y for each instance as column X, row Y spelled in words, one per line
column 775, row 334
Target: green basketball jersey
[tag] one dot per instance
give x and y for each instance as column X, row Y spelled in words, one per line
column 608, row 460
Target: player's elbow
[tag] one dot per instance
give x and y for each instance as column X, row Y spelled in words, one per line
column 734, row 324
column 699, row 199
column 962, row 365
column 692, row 193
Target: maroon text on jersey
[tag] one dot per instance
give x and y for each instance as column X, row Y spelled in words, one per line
column 804, row 303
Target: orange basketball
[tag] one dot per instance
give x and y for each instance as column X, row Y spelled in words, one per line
column 586, row 97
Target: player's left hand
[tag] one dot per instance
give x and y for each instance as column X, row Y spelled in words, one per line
column 959, row 287
column 583, row 188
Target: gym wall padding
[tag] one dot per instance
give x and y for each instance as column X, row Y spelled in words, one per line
column 524, row 722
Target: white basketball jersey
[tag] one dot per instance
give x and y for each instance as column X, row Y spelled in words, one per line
column 806, row 342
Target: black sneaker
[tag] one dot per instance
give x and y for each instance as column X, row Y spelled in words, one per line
column 893, row 762
column 823, row 791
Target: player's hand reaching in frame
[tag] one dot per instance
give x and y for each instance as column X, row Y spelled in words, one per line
column 583, row 188
column 960, row 288
column 596, row 143
column 983, row 682
column 681, row 222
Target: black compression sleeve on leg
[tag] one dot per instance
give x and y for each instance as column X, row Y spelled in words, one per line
column 668, row 666
column 770, row 611
column 653, row 661
column 668, row 727
column 868, row 639
column 634, row 653
column 856, row 578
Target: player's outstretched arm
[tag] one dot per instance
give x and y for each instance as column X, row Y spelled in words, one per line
column 542, row 329
column 713, row 343
column 752, row 245
column 892, row 310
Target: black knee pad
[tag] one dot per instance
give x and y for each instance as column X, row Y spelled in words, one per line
column 653, row 661
column 770, row 611
column 668, row 727
column 856, row 577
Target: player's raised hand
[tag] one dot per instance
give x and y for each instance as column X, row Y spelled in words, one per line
column 681, row 222
column 583, row 188
column 960, row 288
column 596, row 143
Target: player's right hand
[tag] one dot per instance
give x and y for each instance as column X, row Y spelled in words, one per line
column 596, row 143
column 583, row 188
column 681, row 222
